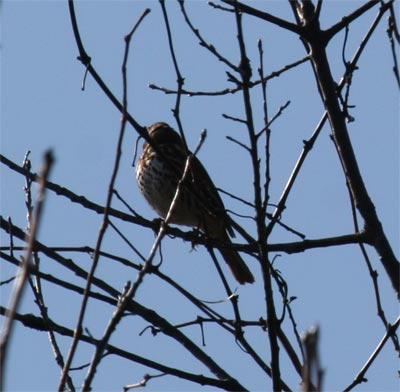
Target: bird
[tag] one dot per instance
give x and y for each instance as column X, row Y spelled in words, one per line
column 158, row 172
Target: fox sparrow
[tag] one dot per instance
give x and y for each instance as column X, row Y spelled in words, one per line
column 198, row 203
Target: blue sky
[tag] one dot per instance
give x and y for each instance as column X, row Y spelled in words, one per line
column 43, row 107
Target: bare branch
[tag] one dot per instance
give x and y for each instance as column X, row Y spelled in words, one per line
column 38, row 323
column 233, row 90
column 86, row 60
column 203, row 42
column 19, row 283
column 347, row 20
column 328, row 92
column 392, row 31
column 264, row 15
column 360, row 378
column 312, row 373
column 113, row 322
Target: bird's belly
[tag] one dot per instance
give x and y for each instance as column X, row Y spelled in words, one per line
column 158, row 185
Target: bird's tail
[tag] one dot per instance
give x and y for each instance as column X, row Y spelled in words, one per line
column 236, row 264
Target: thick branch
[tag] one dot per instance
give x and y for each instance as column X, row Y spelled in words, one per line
column 86, row 60
column 332, row 31
column 328, row 92
column 264, row 16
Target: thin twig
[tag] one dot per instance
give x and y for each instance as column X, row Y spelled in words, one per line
column 23, row 275
column 36, row 284
column 203, row 42
column 360, row 378
column 267, row 129
column 246, row 72
column 180, row 80
column 98, row 354
column 233, row 90
column 143, row 382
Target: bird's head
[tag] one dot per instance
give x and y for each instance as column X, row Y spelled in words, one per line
column 162, row 133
